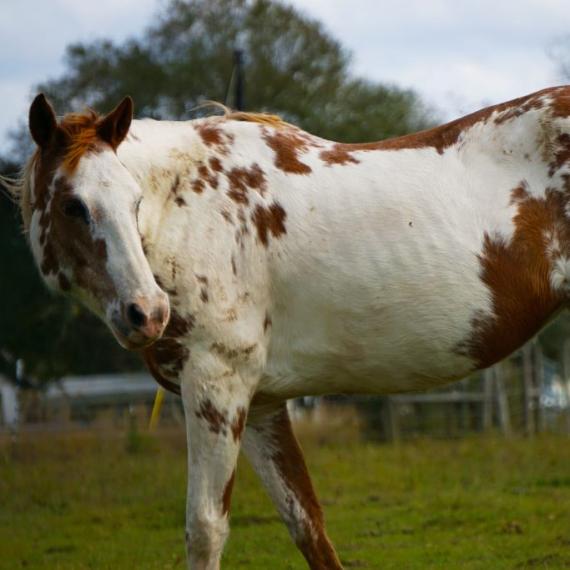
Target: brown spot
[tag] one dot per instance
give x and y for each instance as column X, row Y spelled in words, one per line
column 232, row 353
column 560, row 102
column 214, row 136
column 227, row 495
column 234, row 268
column 204, row 295
column 520, row 193
column 269, row 220
column 201, row 279
column 238, row 423
column 215, row 164
column 287, row 146
column 561, row 155
column 179, row 201
column 211, row 135
column 198, row 186
column 267, row 322
column 217, row 421
column 243, row 179
column 517, row 272
column 227, row 216
column 338, row 154
column 175, row 184
column 210, row 178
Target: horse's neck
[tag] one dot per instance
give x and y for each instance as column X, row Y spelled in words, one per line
column 163, row 156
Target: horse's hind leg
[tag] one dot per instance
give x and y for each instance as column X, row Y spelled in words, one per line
column 272, row 449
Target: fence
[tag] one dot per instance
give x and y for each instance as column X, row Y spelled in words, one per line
column 526, row 394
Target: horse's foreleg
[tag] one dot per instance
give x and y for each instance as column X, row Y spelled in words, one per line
column 271, row 447
column 215, row 419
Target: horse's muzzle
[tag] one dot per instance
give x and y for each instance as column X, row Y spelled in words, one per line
column 141, row 321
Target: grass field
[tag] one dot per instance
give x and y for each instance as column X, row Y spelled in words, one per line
column 116, row 501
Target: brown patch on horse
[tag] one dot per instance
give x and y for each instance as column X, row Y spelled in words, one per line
column 338, row 154
column 215, row 164
column 289, row 462
column 560, row 105
column 165, row 358
column 68, row 242
column 227, row 494
column 227, row 216
column 198, row 186
column 270, row 220
column 287, row 146
column 561, row 154
column 242, row 179
column 210, row 178
column 238, row 423
column 232, row 353
column 214, row 136
column 267, row 322
column 517, row 273
column 217, row 421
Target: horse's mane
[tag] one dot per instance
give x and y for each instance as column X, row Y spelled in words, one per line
column 230, row 115
column 19, row 189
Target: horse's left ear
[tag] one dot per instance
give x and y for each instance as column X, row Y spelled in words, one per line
column 114, row 127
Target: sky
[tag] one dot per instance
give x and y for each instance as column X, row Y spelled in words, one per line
column 459, row 55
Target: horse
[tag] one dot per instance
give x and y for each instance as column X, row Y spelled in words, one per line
column 251, row 262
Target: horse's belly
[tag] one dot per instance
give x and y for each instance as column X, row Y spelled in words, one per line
column 398, row 334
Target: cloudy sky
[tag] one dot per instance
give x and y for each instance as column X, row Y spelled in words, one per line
column 459, row 55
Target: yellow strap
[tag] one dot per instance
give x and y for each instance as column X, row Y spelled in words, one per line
column 154, row 416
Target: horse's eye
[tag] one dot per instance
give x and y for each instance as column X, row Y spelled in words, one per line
column 76, row 208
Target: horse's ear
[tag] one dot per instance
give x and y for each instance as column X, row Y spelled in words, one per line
column 42, row 121
column 114, row 127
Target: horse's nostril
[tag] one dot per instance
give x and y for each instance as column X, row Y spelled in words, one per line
column 137, row 317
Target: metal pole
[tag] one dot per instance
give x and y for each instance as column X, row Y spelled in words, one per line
column 239, row 80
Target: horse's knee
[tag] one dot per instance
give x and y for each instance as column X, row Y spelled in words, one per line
column 205, row 537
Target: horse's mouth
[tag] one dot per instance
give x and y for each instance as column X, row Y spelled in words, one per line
column 132, row 340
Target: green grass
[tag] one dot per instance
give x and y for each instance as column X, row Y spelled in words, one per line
column 117, row 502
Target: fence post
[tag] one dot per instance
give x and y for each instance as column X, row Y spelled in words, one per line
column 487, row 399
column 528, row 412
column 391, row 421
column 538, row 386
column 502, row 400
column 566, row 378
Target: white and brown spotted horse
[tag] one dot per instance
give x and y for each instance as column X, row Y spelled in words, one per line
column 252, row 262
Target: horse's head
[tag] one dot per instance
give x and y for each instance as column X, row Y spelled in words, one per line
column 81, row 212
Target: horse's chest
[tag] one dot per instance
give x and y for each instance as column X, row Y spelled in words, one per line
column 166, row 357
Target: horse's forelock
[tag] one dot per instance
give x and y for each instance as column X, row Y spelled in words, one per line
column 80, row 134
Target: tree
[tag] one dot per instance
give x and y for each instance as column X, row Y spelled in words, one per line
column 293, row 68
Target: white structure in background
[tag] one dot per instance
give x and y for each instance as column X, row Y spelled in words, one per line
column 104, row 388
column 9, row 409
